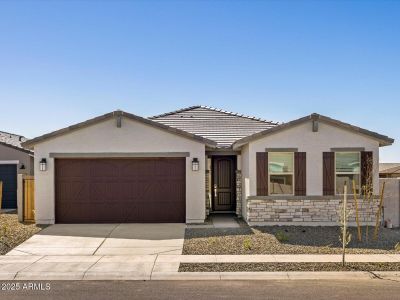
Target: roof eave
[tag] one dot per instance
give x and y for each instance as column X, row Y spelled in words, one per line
column 382, row 139
column 16, row 148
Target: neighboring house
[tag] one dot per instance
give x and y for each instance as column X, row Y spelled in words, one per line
column 179, row 166
column 13, row 160
column 390, row 174
column 389, row 170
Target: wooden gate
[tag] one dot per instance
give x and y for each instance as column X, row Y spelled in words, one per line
column 29, row 198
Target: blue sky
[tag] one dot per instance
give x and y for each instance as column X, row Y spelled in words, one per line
column 64, row 62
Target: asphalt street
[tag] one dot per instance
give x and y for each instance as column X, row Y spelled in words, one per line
column 365, row 289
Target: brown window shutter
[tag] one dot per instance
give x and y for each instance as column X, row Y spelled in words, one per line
column 300, row 174
column 262, row 173
column 328, row 173
column 366, row 168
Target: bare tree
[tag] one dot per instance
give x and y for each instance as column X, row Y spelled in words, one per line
column 379, row 212
column 359, row 232
column 345, row 236
column 367, row 189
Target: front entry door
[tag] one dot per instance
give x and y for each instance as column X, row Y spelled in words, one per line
column 223, row 183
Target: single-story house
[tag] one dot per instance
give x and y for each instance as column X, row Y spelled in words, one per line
column 14, row 159
column 389, row 170
column 182, row 165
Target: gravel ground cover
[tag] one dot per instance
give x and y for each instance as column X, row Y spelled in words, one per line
column 286, row 267
column 13, row 233
column 284, row 240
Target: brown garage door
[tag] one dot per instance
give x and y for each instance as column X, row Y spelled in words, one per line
column 120, row 190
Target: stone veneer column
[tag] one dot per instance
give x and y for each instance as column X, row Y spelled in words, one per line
column 239, row 193
column 208, row 192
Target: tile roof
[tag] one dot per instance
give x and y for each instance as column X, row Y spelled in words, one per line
column 13, row 140
column 215, row 124
column 389, row 168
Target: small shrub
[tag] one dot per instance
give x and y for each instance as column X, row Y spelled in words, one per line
column 247, row 244
column 281, row 236
column 4, row 231
column 4, row 234
column 212, row 240
column 397, row 247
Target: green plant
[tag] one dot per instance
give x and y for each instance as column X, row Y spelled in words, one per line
column 3, row 235
column 213, row 240
column 4, row 230
column 281, row 236
column 397, row 247
column 247, row 244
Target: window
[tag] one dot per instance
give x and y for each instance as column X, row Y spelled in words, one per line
column 347, row 165
column 280, row 173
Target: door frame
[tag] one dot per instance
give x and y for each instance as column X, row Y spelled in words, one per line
column 234, row 162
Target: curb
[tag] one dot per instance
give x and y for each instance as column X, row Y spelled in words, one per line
column 189, row 276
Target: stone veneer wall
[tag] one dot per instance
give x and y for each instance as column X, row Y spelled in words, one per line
column 239, row 193
column 208, row 192
column 312, row 210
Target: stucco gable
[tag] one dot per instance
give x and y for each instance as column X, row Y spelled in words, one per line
column 116, row 115
column 316, row 118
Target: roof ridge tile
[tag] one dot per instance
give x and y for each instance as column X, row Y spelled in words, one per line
column 214, row 109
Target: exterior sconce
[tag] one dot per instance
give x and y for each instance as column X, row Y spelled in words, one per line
column 195, row 164
column 43, row 165
column 22, row 167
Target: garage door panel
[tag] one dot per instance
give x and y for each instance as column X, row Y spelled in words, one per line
column 120, row 190
column 73, row 191
column 8, row 175
column 103, row 170
column 72, row 168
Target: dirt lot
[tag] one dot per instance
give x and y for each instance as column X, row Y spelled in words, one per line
column 284, row 240
column 13, row 233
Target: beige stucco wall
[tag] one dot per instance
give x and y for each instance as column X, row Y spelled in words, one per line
column 11, row 154
column 132, row 137
column 314, row 143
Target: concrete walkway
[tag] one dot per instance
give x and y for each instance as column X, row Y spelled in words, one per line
column 104, row 239
column 218, row 221
column 165, row 267
column 224, row 221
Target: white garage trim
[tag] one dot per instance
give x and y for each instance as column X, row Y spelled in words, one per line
column 9, row 162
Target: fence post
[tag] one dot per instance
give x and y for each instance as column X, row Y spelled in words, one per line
column 20, row 197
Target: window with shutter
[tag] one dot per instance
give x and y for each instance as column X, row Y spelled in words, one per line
column 347, row 169
column 281, row 173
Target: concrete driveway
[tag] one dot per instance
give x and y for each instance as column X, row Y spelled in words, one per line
column 105, row 239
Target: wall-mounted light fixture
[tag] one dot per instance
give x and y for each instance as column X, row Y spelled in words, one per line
column 22, row 167
column 43, row 165
column 195, row 164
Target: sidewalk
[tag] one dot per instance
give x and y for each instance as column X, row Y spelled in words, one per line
column 165, row 267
